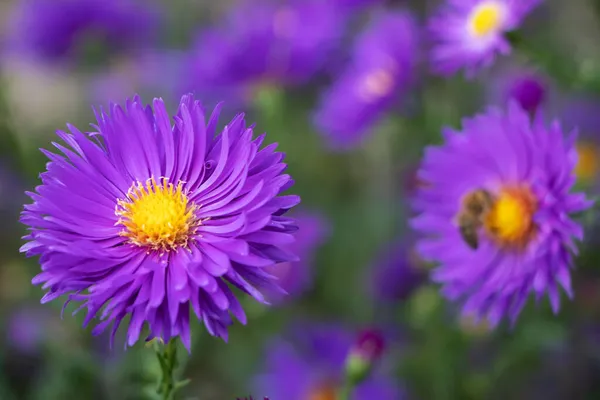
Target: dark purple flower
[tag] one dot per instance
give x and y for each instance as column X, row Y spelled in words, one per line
column 397, row 273
column 58, row 30
column 312, row 364
column 468, row 34
column 295, row 277
column 379, row 75
column 528, row 87
column 266, row 43
column 146, row 218
column 496, row 213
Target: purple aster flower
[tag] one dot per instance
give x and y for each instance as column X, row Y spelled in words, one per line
column 467, row 34
column 149, row 72
column 27, row 329
column 496, row 212
column 397, row 273
column 528, row 87
column 58, row 30
column 379, row 74
column 147, row 219
column 311, row 365
column 284, row 45
column 295, row 277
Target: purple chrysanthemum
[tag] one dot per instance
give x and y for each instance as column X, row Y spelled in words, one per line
column 147, row 219
column 467, row 34
column 284, row 45
column 312, row 365
column 379, row 74
column 295, row 277
column 397, row 273
column 496, row 212
column 57, row 30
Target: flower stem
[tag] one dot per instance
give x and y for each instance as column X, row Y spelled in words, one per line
column 345, row 392
column 167, row 359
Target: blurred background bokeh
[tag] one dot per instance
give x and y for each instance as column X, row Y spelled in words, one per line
column 312, row 74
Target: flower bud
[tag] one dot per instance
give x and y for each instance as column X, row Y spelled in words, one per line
column 364, row 354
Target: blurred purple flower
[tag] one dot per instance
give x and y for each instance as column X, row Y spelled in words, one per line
column 265, row 42
column 397, row 273
column 583, row 114
column 510, row 179
column 468, row 34
column 527, row 86
column 312, row 364
column 58, row 30
column 151, row 73
column 250, row 398
column 355, row 4
column 27, row 328
column 296, row 276
column 379, row 75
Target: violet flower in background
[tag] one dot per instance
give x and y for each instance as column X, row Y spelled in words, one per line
column 312, row 364
column 356, row 4
column 266, row 42
column 496, row 212
column 61, row 30
column 527, row 86
column 378, row 76
column 151, row 72
column 27, row 329
column 583, row 114
column 397, row 273
column 296, row 276
column 156, row 219
column 469, row 34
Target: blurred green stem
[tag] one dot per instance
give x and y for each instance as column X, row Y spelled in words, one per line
column 345, row 392
column 167, row 358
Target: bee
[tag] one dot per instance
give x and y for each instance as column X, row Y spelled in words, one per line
column 471, row 216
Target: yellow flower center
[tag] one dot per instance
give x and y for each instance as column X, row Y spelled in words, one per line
column 377, row 84
column 157, row 215
column 325, row 392
column 588, row 164
column 510, row 220
column 486, row 18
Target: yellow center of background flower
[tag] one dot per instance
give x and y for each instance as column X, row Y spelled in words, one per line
column 157, row 215
column 510, row 221
column 486, row 18
column 588, row 164
column 326, row 392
